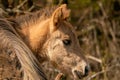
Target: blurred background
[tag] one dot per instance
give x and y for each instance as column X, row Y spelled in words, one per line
column 97, row 24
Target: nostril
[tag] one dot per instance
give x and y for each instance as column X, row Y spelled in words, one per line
column 86, row 70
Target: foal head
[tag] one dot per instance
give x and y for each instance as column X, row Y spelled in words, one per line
column 55, row 37
column 62, row 46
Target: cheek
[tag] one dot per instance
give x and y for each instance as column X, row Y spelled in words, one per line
column 57, row 49
column 56, row 52
column 57, row 55
column 71, row 60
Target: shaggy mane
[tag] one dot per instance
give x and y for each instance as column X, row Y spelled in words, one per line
column 33, row 18
column 9, row 38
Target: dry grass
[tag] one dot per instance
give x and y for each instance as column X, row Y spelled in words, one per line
column 100, row 39
column 99, row 36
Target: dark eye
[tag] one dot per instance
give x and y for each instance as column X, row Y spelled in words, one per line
column 67, row 42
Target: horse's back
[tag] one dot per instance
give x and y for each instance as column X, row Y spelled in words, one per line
column 10, row 68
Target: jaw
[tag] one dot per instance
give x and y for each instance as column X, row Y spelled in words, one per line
column 65, row 71
column 68, row 72
column 70, row 76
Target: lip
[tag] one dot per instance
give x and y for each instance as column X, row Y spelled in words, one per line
column 78, row 74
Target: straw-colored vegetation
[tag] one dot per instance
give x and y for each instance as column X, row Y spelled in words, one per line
column 97, row 24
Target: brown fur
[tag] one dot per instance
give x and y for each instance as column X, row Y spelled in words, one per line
column 11, row 40
column 39, row 37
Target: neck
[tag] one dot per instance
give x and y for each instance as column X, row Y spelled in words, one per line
column 38, row 34
column 35, row 36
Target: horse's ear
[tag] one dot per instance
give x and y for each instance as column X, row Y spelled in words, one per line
column 60, row 14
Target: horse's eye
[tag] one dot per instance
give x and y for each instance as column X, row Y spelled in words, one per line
column 67, row 42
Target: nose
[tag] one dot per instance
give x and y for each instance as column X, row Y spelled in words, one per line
column 81, row 74
column 87, row 69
